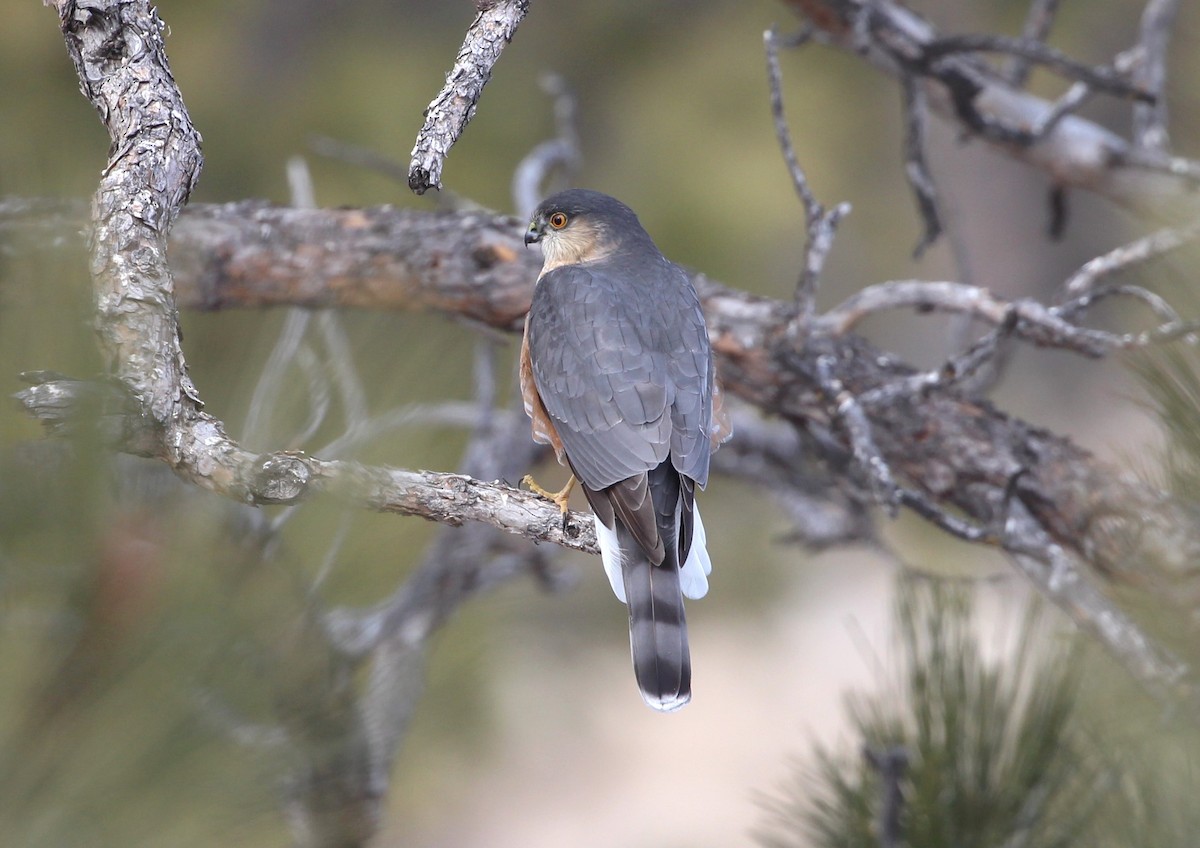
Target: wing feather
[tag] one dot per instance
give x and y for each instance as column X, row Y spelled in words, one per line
column 621, row 361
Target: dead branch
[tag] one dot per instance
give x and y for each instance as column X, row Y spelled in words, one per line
column 1083, row 281
column 448, row 114
column 820, row 223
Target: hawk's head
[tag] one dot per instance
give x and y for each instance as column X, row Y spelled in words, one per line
column 579, row 225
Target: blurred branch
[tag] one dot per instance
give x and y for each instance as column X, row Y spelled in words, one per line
column 448, row 114
column 1083, row 281
column 1057, row 576
column 358, row 157
column 1150, row 119
column 1101, row 78
column 561, row 153
column 1073, row 152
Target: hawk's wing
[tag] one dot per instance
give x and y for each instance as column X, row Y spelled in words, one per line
column 621, row 360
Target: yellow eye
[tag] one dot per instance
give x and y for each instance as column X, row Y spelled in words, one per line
column 558, row 220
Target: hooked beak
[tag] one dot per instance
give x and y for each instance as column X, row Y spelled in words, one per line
column 533, row 234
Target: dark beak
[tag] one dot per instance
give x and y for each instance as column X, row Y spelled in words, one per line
column 532, row 235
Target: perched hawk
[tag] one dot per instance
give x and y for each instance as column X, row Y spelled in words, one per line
column 617, row 375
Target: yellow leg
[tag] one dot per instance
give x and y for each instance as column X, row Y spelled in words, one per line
column 560, row 497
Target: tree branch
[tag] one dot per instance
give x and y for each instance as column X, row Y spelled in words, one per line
column 447, row 116
column 1150, row 119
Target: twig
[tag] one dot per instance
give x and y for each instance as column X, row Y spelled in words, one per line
column 448, row 114
column 812, row 208
column 772, row 456
column 865, row 452
column 1157, row 304
column 1037, row 323
column 916, row 167
column 1127, row 255
column 1077, row 95
column 956, row 372
column 1068, row 104
column 820, row 224
column 951, row 524
column 272, row 379
column 1100, row 78
column 320, row 397
column 1038, row 22
column 1150, row 119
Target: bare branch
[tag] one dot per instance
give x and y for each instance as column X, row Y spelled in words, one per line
column 820, row 223
column 117, row 48
column 1037, row 323
column 1099, row 78
column 288, row 477
column 448, row 114
column 1126, row 256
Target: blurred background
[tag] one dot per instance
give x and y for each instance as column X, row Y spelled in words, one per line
column 131, row 635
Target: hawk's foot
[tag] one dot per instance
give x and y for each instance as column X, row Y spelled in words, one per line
column 560, row 497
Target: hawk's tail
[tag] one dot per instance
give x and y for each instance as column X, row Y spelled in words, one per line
column 657, row 627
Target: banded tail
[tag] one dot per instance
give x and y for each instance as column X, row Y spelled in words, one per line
column 655, row 592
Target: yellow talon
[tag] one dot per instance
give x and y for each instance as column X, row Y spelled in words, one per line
column 560, row 497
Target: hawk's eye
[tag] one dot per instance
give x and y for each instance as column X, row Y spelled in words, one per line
column 558, row 220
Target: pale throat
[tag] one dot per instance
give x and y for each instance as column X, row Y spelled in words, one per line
column 573, row 246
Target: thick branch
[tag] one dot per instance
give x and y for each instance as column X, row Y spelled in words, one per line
column 117, row 48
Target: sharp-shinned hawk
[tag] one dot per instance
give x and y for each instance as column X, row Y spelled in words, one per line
column 617, row 375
